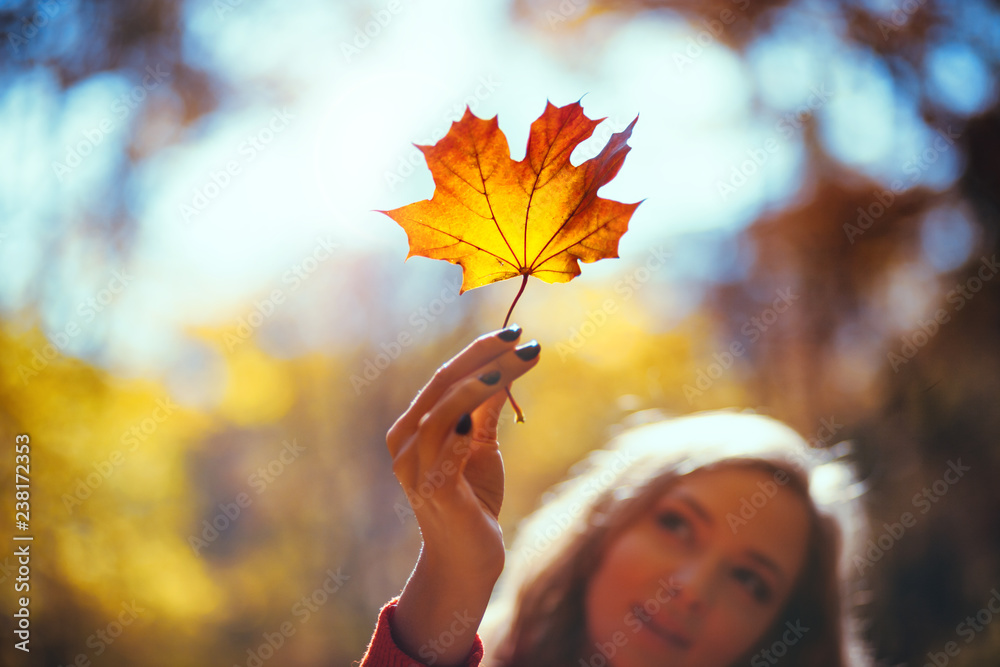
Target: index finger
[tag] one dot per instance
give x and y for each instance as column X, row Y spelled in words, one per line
column 481, row 351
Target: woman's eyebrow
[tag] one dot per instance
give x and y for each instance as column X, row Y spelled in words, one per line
column 696, row 507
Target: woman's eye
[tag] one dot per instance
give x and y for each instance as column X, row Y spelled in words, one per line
column 675, row 523
column 754, row 584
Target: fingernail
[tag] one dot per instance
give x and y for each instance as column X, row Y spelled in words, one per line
column 490, row 378
column 464, row 425
column 529, row 350
column 509, row 334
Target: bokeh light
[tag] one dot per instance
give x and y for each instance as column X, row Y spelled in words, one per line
column 207, row 325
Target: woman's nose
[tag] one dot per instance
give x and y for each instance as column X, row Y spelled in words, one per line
column 695, row 584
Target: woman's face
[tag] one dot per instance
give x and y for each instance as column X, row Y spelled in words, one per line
column 693, row 582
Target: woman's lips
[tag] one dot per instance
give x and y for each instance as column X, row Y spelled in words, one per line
column 672, row 635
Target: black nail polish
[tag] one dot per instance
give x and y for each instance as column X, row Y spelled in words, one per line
column 509, row 334
column 464, row 425
column 528, row 351
column 490, row 378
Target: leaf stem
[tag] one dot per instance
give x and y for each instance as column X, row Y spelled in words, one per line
column 518, row 414
column 524, row 282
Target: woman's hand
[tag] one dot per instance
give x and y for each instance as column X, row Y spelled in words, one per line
column 445, row 452
column 446, row 456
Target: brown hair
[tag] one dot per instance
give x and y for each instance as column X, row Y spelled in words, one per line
column 537, row 616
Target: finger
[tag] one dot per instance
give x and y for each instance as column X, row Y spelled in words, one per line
column 482, row 431
column 465, row 396
column 481, row 351
column 486, row 418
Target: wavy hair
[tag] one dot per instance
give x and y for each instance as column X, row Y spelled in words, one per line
column 537, row 615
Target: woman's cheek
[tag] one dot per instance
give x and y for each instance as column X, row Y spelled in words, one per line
column 620, row 581
column 640, row 558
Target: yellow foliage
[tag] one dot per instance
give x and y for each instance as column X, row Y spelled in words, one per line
column 110, row 502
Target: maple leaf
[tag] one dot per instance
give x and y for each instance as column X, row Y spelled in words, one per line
column 499, row 219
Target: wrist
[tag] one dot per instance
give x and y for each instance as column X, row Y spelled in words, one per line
column 476, row 569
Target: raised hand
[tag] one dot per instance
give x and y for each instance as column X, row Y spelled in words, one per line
column 446, row 456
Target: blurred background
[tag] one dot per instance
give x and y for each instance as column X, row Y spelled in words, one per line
column 206, row 328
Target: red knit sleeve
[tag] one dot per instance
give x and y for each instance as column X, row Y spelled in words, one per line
column 383, row 652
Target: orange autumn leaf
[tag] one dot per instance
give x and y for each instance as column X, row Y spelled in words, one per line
column 499, row 219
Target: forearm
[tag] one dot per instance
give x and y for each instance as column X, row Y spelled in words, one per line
column 440, row 609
